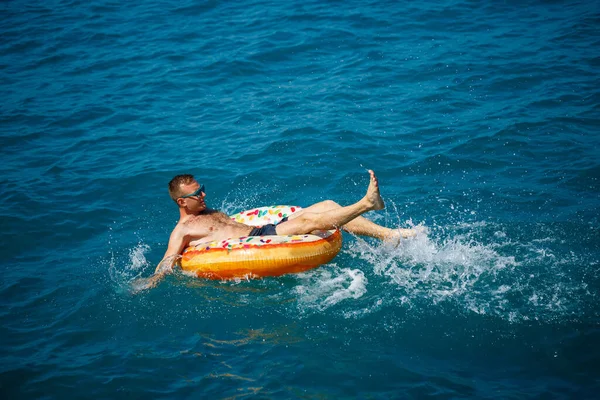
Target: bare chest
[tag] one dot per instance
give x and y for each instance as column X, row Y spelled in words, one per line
column 209, row 222
column 213, row 226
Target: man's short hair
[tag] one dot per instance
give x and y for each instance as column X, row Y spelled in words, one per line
column 175, row 185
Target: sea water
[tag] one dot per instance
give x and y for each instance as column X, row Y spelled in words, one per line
column 481, row 120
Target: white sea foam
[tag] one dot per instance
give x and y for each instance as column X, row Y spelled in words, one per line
column 324, row 288
column 482, row 278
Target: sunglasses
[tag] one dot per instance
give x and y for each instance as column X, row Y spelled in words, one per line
column 196, row 193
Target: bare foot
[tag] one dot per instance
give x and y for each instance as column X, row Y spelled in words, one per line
column 401, row 233
column 373, row 198
column 406, row 233
column 395, row 235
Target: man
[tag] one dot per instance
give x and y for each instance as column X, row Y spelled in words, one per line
column 198, row 223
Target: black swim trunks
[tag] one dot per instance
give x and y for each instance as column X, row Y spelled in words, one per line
column 266, row 230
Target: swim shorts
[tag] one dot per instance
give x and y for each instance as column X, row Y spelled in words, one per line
column 266, row 230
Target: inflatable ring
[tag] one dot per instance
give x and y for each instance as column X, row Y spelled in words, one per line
column 258, row 256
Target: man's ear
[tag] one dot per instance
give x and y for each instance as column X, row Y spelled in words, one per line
column 180, row 202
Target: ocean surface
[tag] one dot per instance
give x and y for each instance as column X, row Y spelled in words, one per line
column 481, row 119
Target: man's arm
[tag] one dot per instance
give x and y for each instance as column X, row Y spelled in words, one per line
column 177, row 243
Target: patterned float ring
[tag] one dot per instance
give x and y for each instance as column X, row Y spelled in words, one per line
column 258, row 256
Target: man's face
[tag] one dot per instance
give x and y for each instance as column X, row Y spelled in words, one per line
column 193, row 198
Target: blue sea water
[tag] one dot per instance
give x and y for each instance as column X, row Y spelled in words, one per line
column 481, row 120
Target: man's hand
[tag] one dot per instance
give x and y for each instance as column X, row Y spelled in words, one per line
column 165, row 267
column 142, row 284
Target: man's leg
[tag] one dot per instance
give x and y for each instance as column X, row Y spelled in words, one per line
column 334, row 218
column 359, row 225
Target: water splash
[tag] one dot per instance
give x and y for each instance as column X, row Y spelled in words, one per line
column 124, row 271
column 242, row 197
column 480, row 273
column 324, row 288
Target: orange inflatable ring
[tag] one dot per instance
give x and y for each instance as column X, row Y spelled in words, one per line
column 258, row 256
